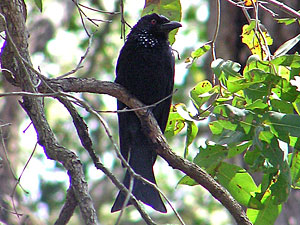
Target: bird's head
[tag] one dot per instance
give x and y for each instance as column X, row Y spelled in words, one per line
column 152, row 29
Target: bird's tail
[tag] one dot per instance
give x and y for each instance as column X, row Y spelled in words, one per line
column 142, row 164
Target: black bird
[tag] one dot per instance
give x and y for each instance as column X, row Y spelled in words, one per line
column 145, row 68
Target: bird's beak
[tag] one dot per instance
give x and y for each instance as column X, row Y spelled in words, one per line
column 167, row 27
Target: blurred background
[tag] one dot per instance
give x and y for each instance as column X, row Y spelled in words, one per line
column 57, row 42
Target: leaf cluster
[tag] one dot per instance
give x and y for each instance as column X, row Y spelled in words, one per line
column 253, row 114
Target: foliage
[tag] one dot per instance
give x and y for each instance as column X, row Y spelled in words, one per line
column 253, row 113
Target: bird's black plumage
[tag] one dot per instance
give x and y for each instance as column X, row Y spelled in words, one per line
column 145, row 68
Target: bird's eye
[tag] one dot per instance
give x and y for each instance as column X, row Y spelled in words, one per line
column 153, row 21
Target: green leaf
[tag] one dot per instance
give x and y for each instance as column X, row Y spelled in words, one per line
column 238, row 101
column 226, row 110
column 234, row 84
column 288, row 45
column 192, row 131
column 285, row 91
column 246, row 124
column 295, row 169
column 282, row 186
column 271, row 150
column 250, row 26
column 275, row 158
column 268, row 214
column 201, row 93
column 210, row 156
column 257, row 104
column 229, row 137
column 238, row 149
column 169, row 8
column 253, row 157
column 227, row 125
column 200, row 51
column 239, row 183
column 183, row 112
column 287, row 21
column 281, row 106
column 255, row 75
column 287, row 60
column 174, row 125
column 295, row 142
column 254, row 39
column 187, row 181
column 224, row 69
column 256, row 91
column 287, row 123
column 266, row 136
column 254, row 62
column 231, row 68
column 216, row 66
column 296, row 106
column 39, row 4
column 215, row 127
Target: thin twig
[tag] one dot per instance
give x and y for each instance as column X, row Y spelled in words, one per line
column 11, row 212
column 24, row 93
column 217, row 28
column 284, row 8
column 81, row 18
column 98, row 10
column 5, row 125
column 19, row 178
column 123, row 21
column 213, row 41
column 81, row 59
column 273, row 14
column 131, row 181
column 10, row 168
column 100, row 20
column 246, row 14
column 135, row 109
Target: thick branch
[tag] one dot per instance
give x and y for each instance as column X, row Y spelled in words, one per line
column 68, row 208
column 12, row 55
column 192, row 170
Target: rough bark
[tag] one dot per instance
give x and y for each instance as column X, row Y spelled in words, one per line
column 14, row 57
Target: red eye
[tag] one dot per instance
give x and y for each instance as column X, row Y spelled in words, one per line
column 153, row 21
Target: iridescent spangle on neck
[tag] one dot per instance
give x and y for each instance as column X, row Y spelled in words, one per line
column 146, row 39
column 152, row 31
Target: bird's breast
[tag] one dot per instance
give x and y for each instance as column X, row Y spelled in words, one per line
column 148, row 73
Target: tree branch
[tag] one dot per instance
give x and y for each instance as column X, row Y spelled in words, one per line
column 68, row 208
column 281, row 6
column 152, row 130
column 83, row 134
column 13, row 54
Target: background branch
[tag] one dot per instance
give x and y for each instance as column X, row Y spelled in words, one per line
column 68, row 208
